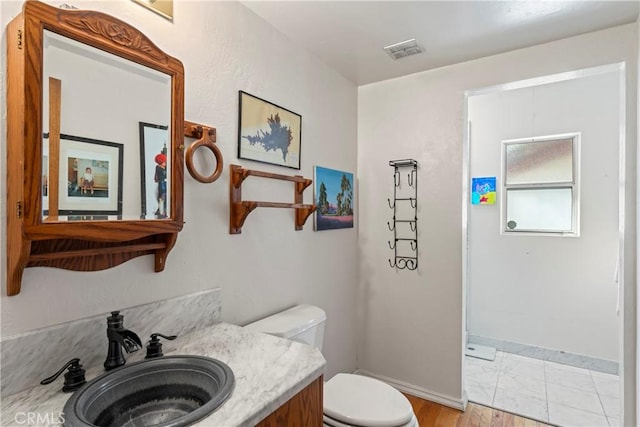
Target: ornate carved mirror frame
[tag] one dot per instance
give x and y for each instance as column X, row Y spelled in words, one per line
column 78, row 245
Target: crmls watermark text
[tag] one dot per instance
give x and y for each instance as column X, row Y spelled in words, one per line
column 39, row 418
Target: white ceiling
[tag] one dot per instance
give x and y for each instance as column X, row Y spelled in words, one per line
column 350, row 35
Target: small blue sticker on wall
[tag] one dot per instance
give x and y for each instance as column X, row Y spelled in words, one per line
column 483, row 191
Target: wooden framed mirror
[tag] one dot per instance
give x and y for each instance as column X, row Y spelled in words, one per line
column 95, row 116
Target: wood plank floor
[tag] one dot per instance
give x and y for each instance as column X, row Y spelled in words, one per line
column 432, row 414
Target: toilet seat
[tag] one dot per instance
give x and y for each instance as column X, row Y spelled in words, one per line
column 330, row 422
column 356, row 400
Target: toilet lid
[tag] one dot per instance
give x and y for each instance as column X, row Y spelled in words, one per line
column 364, row 401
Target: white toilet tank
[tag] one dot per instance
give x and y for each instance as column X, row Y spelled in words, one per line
column 303, row 323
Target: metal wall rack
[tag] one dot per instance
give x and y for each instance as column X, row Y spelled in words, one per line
column 405, row 216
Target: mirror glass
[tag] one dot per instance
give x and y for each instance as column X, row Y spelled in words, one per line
column 107, row 135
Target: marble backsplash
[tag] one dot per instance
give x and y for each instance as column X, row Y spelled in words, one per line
column 29, row 357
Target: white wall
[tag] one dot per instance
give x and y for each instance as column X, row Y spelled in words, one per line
column 224, row 48
column 548, row 291
column 412, row 322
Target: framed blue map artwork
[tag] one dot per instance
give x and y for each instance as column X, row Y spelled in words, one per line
column 268, row 133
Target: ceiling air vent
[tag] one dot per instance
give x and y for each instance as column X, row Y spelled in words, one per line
column 405, row 48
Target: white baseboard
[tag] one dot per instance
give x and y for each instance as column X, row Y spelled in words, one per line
column 420, row 392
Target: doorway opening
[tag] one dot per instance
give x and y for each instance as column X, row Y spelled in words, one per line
column 543, row 221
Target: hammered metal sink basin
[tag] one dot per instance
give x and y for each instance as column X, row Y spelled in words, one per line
column 171, row 391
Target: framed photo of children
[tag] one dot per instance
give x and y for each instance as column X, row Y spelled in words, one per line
column 155, row 169
column 268, row 133
column 91, row 172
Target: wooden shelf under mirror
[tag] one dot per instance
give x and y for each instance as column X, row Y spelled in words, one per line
column 95, row 173
column 240, row 209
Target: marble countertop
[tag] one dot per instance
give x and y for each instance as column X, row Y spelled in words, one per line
column 268, row 371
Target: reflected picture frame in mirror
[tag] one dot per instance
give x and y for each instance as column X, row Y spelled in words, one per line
column 155, row 174
column 89, row 178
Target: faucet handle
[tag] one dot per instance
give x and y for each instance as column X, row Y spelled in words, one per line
column 154, row 347
column 73, row 380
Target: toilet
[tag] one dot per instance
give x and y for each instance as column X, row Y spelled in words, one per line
column 349, row 400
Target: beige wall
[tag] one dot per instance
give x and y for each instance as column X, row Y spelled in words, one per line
column 412, row 322
column 225, row 48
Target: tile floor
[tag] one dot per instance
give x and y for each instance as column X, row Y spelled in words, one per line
column 545, row 391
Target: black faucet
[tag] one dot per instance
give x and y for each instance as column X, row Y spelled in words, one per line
column 119, row 338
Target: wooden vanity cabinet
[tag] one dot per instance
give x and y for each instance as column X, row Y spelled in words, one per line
column 303, row 409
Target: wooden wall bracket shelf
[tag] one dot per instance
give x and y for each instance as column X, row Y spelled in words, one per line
column 240, row 209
